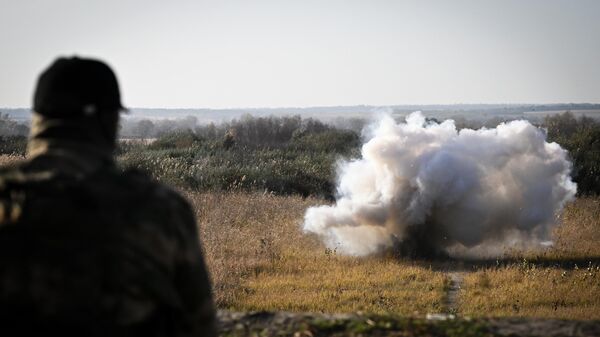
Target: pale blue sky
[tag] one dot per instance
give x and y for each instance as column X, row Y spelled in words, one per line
column 217, row 54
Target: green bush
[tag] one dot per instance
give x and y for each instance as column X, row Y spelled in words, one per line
column 581, row 137
column 176, row 140
column 333, row 140
column 209, row 166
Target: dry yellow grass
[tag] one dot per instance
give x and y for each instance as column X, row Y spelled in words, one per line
column 244, row 234
column 260, row 260
column 578, row 234
column 532, row 292
column 343, row 284
column 549, row 284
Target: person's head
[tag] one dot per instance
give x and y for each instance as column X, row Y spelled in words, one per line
column 77, row 99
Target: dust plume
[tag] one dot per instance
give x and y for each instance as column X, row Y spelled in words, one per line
column 425, row 188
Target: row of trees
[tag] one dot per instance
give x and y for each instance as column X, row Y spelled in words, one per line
column 247, row 130
column 146, row 128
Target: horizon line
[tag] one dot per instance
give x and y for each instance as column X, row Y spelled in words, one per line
column 341, row 106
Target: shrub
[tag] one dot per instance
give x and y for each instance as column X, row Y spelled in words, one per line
column 332, row 140
column 180, row 139
column 581, row 137
column 209, row 166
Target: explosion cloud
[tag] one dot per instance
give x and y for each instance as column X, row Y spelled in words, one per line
column 427, row 188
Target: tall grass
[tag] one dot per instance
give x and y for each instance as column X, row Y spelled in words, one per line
column 559, row 288
column 260, row 260
column 304, row 166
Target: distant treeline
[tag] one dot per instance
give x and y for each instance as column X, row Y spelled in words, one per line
column 286, row 154
column 248, row 128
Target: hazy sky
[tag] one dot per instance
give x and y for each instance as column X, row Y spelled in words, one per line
column 307, row 53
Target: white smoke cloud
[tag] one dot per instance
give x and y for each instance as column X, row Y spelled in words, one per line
column 429, row 187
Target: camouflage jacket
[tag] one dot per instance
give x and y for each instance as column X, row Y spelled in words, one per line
column 90, row 250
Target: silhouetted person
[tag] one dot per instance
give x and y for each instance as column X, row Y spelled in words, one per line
column 86, row 249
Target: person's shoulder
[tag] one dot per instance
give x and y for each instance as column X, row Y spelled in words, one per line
column 158, row 204
column 18, row 171
column 11, row 165
column 152, row 189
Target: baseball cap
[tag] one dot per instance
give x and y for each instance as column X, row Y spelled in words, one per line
column 76, row 86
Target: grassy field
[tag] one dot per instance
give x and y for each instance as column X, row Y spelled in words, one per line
column 563, row 282
column 260, row 259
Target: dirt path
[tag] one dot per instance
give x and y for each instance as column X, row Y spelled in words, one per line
column 453, row 292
